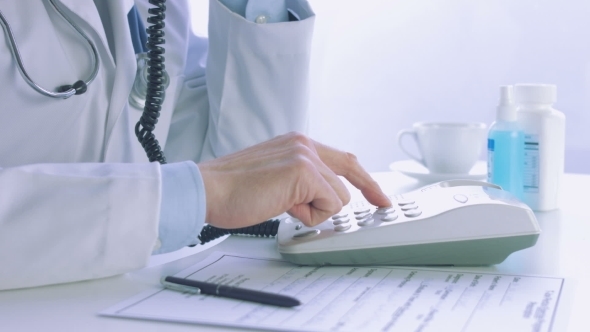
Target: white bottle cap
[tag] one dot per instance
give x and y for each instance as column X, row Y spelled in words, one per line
column 535, row 93
column 506, row 95
column 506, row 110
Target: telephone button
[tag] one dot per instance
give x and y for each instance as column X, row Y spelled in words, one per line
column 362, row 211
column 341, row 221
column 366, row 221
column 385, row 210
column 339, row 215
column 412, row 213
column 409, row 207
column 342, row 228
column 403, row 202
column 310, row 233
column 362, row 216
column 389, row 217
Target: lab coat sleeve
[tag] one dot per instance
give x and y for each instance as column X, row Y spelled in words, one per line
column 70, row 222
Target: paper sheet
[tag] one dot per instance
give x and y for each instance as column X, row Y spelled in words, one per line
column 356, row 298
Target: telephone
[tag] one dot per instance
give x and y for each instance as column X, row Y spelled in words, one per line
column 456, row 222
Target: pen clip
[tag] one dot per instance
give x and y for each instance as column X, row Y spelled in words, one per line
column 179, row 288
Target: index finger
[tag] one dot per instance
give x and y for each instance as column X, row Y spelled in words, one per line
column 346, row 164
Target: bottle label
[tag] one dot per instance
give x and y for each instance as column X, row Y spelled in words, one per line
column 531, row 164
column 490, row 159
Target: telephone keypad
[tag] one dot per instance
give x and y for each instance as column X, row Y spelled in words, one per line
column 366, row 214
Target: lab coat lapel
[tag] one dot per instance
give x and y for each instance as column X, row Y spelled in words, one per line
column 118, row 10
column 90, row 16
column 80, row 8
column 126, row 64
column 123, row 58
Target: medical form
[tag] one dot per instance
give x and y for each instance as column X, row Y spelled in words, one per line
column 355, row 298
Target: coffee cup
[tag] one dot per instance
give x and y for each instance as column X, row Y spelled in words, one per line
column 446, row 147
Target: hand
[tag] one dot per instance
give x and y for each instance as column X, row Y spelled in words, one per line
column 290, row 173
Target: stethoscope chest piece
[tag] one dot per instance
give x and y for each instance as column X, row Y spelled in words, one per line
column 140, row 85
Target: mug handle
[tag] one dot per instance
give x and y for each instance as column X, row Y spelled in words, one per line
column 412, row 133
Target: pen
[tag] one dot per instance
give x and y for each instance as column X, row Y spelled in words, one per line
column 199, row 287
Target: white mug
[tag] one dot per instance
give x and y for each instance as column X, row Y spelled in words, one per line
column 446, row 147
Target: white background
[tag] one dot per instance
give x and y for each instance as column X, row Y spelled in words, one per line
column 380, row 65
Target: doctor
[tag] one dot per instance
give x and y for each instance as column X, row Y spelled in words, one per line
column 78, row 199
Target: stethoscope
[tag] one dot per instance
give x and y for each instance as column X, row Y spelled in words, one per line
column 137, row 96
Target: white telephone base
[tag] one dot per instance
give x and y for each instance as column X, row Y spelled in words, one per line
column 456, row 222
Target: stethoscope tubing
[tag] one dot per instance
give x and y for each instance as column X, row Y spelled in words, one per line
column 20, row 65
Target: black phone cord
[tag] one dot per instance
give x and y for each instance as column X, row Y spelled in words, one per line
column 266, row 229
column 155, row 93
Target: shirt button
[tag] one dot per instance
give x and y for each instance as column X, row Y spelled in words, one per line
column 260, row 19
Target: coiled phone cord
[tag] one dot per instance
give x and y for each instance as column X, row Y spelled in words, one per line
column 155, row 94
column 266, row 229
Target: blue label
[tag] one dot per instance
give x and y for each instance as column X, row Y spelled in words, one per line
column 490, row 144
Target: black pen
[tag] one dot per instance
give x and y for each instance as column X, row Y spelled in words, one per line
column 199, row 287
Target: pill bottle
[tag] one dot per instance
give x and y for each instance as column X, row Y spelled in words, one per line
column 544, row 144
column 506, row 146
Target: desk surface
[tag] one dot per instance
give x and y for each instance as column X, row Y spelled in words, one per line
column 561, row 250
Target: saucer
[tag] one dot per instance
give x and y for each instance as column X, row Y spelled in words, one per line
column 417, row 171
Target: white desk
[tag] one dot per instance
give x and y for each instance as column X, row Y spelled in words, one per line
column 562, row 250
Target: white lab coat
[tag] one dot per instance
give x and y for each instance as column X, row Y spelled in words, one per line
column 77, row 199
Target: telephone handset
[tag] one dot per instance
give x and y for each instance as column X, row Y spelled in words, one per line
column 456, row 222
